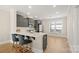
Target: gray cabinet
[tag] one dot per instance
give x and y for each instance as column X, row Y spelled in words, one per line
column 31, row 21
column 21, row 21
column 44, row 42
column 26, row 22
column 36, row 25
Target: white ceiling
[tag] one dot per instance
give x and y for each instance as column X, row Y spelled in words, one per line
column 41, row 11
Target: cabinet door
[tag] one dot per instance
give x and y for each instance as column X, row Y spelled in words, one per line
column 19, row 21
column 31, row 22
column 26, row 22
column 22, row 22
column 44, row 42
column 36, row 26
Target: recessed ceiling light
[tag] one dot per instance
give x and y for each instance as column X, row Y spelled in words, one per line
column 29, row 7
column 57, row 12
column 28, row 13
column 54, row 6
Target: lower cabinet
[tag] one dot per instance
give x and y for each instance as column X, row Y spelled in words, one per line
column 44, row 42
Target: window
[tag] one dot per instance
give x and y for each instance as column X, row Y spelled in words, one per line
column 56, row 26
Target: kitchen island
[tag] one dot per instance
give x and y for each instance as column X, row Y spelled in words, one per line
column 39, row 43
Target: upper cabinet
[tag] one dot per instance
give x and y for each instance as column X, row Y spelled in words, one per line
column 31, row 22
column 21, row 21
column 28, row 22
column 37, row 24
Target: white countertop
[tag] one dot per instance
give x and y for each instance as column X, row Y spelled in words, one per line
column 33, row 34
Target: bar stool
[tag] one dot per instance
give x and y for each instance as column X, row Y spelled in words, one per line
column 14, row 39
column 23, row 41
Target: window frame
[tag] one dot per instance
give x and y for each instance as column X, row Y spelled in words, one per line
column 55, row 24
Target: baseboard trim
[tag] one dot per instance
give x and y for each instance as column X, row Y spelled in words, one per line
column 36, row 50
column 71, row 49
column 5, row 42
column 76, row 48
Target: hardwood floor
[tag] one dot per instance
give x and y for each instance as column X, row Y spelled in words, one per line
column 55, row 45
column 7, row 48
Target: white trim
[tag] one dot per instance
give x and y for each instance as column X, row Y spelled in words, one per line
column 36, row 50
column 71, row 48
column 76, row 48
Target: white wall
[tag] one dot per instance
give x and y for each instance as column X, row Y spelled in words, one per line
column 72, row 28
column 12, row 20
column 7, row 24
column 4, row 26
column 46, row 23
column 77, row 25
